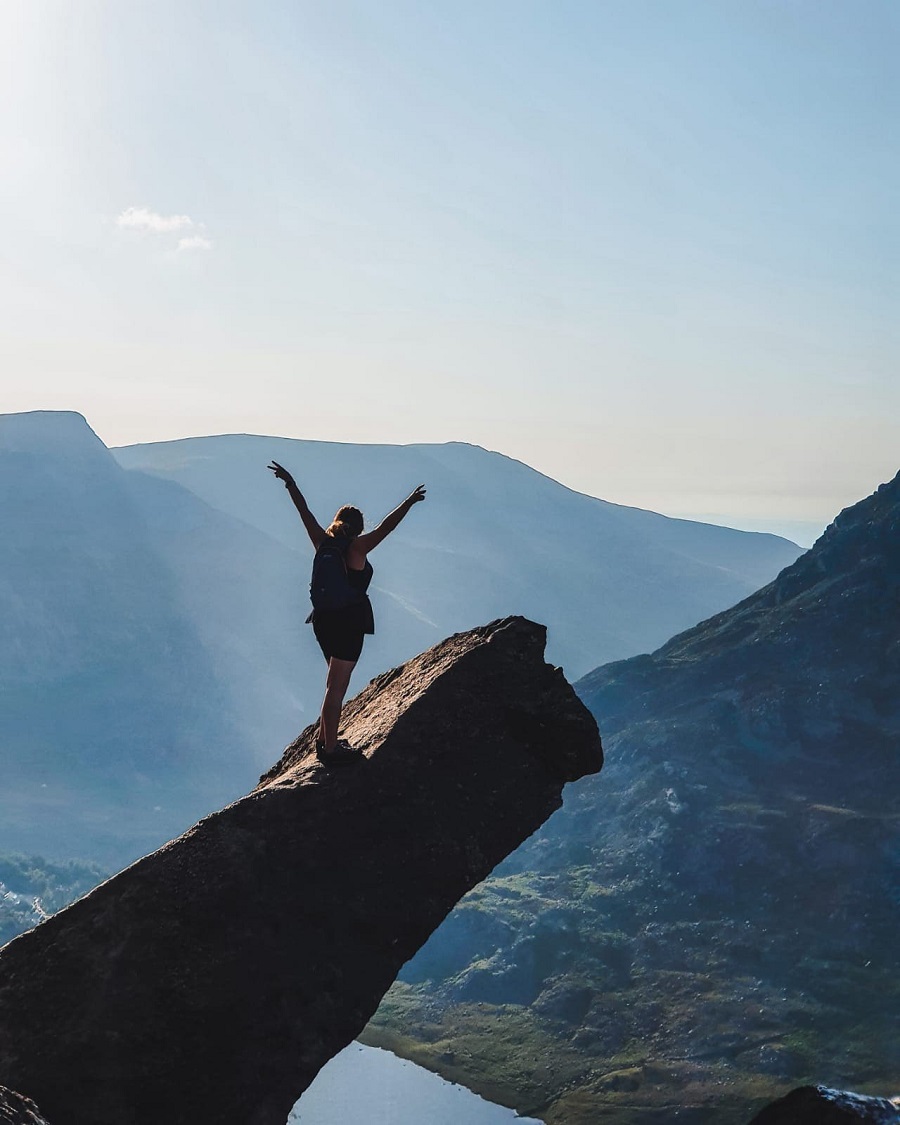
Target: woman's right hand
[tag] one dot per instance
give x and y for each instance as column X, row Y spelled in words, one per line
column 417, row 494
column 281, row 473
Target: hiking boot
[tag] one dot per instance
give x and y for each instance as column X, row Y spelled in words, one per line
column 342, row 754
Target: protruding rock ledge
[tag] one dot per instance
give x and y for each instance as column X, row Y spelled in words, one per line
column 210, row 981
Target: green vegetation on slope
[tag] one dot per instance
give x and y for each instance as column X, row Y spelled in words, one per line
column 623, row 1000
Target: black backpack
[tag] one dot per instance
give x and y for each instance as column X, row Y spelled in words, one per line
column 330, row 586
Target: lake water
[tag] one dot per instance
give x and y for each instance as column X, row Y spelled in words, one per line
column 368, row 1086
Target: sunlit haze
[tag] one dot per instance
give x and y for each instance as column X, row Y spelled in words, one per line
column 648, row 248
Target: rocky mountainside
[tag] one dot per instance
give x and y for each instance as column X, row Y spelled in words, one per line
column 210, row 981
column 494, row 538
column 802, row 678
column 717, row 923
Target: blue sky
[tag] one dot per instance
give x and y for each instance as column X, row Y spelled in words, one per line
column 648, row 247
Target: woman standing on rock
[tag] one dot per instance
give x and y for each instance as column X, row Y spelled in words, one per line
column 342, row 613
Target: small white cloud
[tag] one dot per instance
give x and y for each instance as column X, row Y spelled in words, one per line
column 195, row 242
column 141, row 218
column 151, row 224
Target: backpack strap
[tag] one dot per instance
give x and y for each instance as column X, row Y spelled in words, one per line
column 341, row 542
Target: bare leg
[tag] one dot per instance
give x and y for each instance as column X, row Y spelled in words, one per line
column 339, row 672
column 320, row 737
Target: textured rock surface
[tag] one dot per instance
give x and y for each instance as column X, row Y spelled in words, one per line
column 817, row 1105
column 16, row 1110
column 210, row 981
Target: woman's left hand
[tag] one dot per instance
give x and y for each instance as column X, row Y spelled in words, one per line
column 417, row 494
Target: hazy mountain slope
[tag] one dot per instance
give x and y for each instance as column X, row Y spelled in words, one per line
column 495, row 537
column 240, row 593
column 154, row 654
column 714, row 918
column 107, row 696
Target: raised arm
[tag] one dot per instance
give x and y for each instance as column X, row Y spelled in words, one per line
column 370, row 539
column 315, row 532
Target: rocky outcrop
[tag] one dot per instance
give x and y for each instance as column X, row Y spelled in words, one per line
column 16, row 1110
column 210, row 981
column 818, row 1105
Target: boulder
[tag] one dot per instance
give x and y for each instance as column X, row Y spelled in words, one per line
column 818, row 1105
column 210, row 981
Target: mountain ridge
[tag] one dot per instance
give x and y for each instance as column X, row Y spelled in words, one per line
column 491, row 528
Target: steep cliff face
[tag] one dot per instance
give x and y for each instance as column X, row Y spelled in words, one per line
column 717, row 922
column 802, row 677
column 210, row 981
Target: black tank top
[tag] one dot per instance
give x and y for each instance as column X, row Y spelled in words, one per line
column 362, row 613
column 360, row 579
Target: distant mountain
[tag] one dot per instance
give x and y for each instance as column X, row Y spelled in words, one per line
column 714, row 919
column 154, row 654
column 144, row 679
column 494, row 538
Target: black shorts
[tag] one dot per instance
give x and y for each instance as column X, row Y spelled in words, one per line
column 340, row 632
